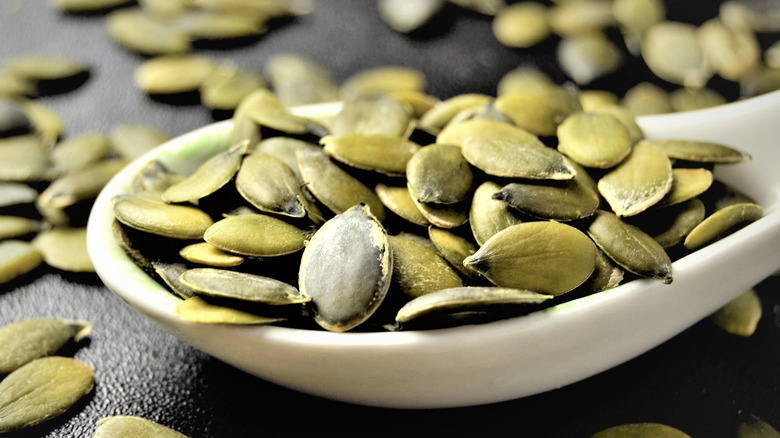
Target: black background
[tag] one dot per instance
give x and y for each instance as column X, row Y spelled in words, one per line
column 700, row 381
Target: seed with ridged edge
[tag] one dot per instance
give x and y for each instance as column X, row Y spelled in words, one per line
column 564, row 201
column 346, row 269
column 539, row 111
column 399, row 201
column 454, row 249
column 721, row 222
column 30, row 339
column 256, row 235
column 205, row 253
column 377, row 114
column 124, row 425
column 687, row 183
column 546, row 257
column 152, row 215
column 700, row 151
column 594, row 139
column 208, row 177
column 65, row 248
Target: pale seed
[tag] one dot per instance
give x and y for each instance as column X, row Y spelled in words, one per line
column 173, row 74
column 38, row 68
column 381, row 80
column 539, row 111
column 205, row 253
column 25, row 159
column 625, row 117
column 80, row 185
column 154, row 216
column 298, row 80
column 523, row 79
column 141, row 33
column 87, row 5
column 376, row 114
column 80, row 151
column 587, row 57
column 256, row 235
column 65, row 248
column 646, row 98
column 217, row 26
column 399, row 201
column 16, row 193
column 731, row 52
column 578, row 17
column 196, row 309
column 227, row 86
column 31, row 339
column 521, row 25
column 118, row 426
column 16, row 258
column 404, row 16
column 381, row 153
column 739, row 316
column 672, row 52
column 700, row 151
column 442, row 113
column 15, row 226
column 687, row 183
column 132, row 141
column 47, row 123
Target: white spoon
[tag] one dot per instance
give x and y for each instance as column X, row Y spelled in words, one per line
column 491, row 362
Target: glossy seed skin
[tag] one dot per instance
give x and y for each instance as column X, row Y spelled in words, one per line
column 152, row 215
column 256, row 235
column 721, row 221
column 418, row 270
column 439, row 174
column 123, row 426
column 30, row 339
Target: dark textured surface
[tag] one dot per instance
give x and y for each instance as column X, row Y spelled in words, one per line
column 700, row 381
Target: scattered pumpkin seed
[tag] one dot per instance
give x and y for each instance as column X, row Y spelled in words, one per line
column 17, row 257
column 173, row 74
column 201, row 25
column 739, row 316
column 641, row 430
column 227, row 85
column 404, row 16
column 25, row 159
column 139, row 32
column 523, row 79
column 399, row 201
column 80, row 151
column 34, row 338
column 256, row 235
column 731, row 52
column 443, row 215
column 131, row 140
column 579, row 17
column 374, row 114
column 646, row 98
column 439, row 174
column 298, row 80
column 521, row 25
column 605, row 274
column 118, row 426
column 539, row 111
column 65, row 248
column 672, row 52
column 587, row 57
column 381, row 80
column 720, row 222
column 442, row 113
column 84, row 184
column 47, row 123
column 15, row 226
column 87, row 5
column 686, row 99
column 16, row 193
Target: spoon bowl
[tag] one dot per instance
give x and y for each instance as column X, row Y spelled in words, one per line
column 502, row 360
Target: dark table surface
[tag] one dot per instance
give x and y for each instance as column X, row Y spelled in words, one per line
column 700, row 381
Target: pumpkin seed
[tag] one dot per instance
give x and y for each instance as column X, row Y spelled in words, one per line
column 752, row 426
column 12, row 86
column 141, row 33
column 16, row 258
column 594, row 139
column 334, row 187
column 81, row 185
column 593, row 100
column 205, row 253
column 575, row 18
column 14, row 226
column 164, row 9
column 34, row 338
column 404, row 16
column 80, row 151
column 381, row 153
column 640, row 430
column 488, row 215
column 270, row 185
column 466, row 298
column 42, row 389
column 155, row 177
column 739, row 316
column 763, row 80
column 625, row 117
column 419, row 102
column 485, row 7
column 605, row 274
column 256, row 235
column 646, row 98
column 227, row 86
column 484, row 112
column 442, row 113
column 399, row 201
column 297, row 80
column 375, row 114
column 565, row 201
column 629, row 247
column 587, row 57
column 545, row 257
column 687, row 183
column 47, row 73
column 65, row 248
column 217, row 26
column 131, row 141
column 521, row 25
column 381, row 80
column 699, row 151
column 170, row 274
column 454, row 249
column 722, row 221
column 443, row 215
column 16, row 193
column 523, row 79
column 670, row 225
column 672, row 52
column 346, row 269
column 152, row 215
column 47, row 123
column 731, row 52
column 208, row 177
column 221, row 283
column 685, row 99
column 264, row 108
column 640, row 181
column 122, row 425
column 196, row 309
column 284, row 149
column 634, row 18
column 173, row 74
column 439, row 174
column 25, row 159
column 418, row 270
column 87, row 5
column 539, row 111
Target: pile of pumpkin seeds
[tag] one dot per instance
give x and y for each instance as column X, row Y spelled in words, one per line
column 476, row 209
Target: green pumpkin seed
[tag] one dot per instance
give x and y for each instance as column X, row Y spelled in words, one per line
column 346, row 269
column 264, row 108
column 466, row 298
column 205, row 253
column 37, row 68
column 700, row 151
column 170, row 273
column 722, row 222
column 523, row 79
column 381, row 153
column 16, row 193
column 636, row 16
column 47, row 123
column 521, row 25
column 594, row 139
column 672, row 52
column 418, row 101
column 164, row 9
column 297, row 80
column 42, row 389
column 25, row 159
column 418, row 270
column 545, row 257
column 592, row 100
column 754, row 427
column 518, row 154
column 196, row 309
column 454, row 249
column 80, row 151
column 587, row 57
column 625, row 117
column 439, row 174
column 376, row 114
column 154, row 216
column 639, row 181
column 221, row 283
column 132, row 141
column 670, row 225
column 399, row 201
column 484, row 112
column 16, row 258
column 629, row 247
column 227, row 86
column 14, row 226
column 731, row 52
column 173, row 74
column 381, row 80
column 488, row 215
column 605, row 275
column 334, row 187
column 684, row 99
column 65, row 248
column 155, row 177
column 256, row 235
column 646, row 98
column 405, row 16
column 739, row 316
column 87, row 5
column 443, row 215
column 84, row 184
column 217, row 26
column 687, row 183
column 118, row 426
column 576, row 18
column 31, row 339
column 284, row 149
column 208, row 177
column 565, row 201
column 641, row 430
column 442, row 113
column 141, row 33
column 270, row 185
column 539, row 111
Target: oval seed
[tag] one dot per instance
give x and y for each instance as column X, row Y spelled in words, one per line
column 739, row 316
column 539, row 111
column 587, row 57
column 376, row 114
column 196, row 309
column 155, row 177
column 16, row 193
column 594, row 139
column 173, row 74
column 687, row 99
column 42, row 389
column 405, row 16
column 576, row 18
column 205, row 253
column 629, row 247
column 454, row 249
column 626, row 118
column 334, row 187
column 256, row 235
column 84, row 184
column 152, row 215
column 24, row 341
column 522, row 79
column 15, row 226
column 466, row 298
column 263, row 107
column 670, row 225
column 545, row 257
column 227, row 86
column 25, row 158
column 16, row 258
column 376, row 152
column 48, row 124
column 443, row 215
column 566, row 201
column 381, row 80
column 731, row 52
column 439, row 174
column 640, row 430
column 270, row 185
column 399, row 201
column 284, row 149
column 521, row 25
column 208, row 177
column 442, row 113
column 751, row 426
column 80, row 151
column 132, row 141
column 672, row 52
column 687, row 183
column 346, row 269
column 87, row 5
column 646, row 98
column 488, row 215
column 216, row 26
column 298, row 80
column 139, row 32
column 122, row 426
column 638, row 182
column 170, row 274
column 65, row 248
column 418, row 270
column 722, row 221
column 700, row 151
column 605, row 275
column 221, row 283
